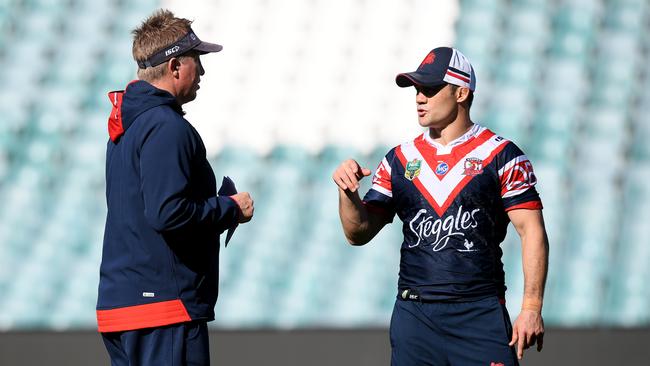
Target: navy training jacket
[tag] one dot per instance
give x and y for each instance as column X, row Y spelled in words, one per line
column 160, row 259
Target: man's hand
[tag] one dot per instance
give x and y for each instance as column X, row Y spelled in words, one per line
column 348, row 175
column 245, row 203
column 527, row 330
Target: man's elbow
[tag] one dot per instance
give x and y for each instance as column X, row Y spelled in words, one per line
column 361, row 234
column 166, row 220
column 159, row 223
column 357, row 240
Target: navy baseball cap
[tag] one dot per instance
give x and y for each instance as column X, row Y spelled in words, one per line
column 186, row 43
column 442, row 65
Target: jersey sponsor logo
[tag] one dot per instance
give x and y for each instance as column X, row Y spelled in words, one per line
column 437, row 232
column 412, row 169
column 473, row 166
column 442, row 168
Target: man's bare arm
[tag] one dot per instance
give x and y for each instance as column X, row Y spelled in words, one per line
column 359, row 224
column 528, row 328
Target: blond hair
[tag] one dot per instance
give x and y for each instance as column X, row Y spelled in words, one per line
column 161, row 29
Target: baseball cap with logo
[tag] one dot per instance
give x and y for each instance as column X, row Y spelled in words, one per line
column 442, row 65
column 186, row 43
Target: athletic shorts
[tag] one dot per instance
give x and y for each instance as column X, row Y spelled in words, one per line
column 184, row 344
column 473, row 333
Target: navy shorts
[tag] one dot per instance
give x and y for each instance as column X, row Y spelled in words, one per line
column 451, row 333
column 184, row 344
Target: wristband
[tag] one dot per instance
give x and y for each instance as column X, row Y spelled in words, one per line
column 533, row 304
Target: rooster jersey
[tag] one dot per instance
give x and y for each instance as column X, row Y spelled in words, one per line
column 453, row 201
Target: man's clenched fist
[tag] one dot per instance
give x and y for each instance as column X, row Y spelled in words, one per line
column 245, row 203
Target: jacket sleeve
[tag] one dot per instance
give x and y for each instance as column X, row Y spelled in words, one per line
column 166, row 157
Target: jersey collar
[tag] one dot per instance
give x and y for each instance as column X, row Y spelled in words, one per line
column 474, row 131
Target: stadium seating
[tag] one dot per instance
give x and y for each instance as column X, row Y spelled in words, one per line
column 566, row 80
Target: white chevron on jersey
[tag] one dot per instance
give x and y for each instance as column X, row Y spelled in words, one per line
column 440, row 189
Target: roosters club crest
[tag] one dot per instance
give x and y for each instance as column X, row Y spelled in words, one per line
column 473, row 166
column 413, row 168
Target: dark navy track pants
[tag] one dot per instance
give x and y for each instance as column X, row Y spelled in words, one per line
column 184, row 344
column 451, row 334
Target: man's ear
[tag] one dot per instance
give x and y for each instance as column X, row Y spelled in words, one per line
column 173, row 65
column 462, row 94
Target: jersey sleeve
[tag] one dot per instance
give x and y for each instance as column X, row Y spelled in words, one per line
column 518, row 180
column 380, row 194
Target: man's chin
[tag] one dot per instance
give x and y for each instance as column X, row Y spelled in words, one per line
column 187, row 99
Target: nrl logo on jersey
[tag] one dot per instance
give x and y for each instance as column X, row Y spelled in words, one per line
column 413, row 168
column 473, row 166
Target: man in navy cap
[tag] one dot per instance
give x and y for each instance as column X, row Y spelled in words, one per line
column 455, row 188
column 160, row 261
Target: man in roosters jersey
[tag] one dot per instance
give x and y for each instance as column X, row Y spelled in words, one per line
column 455, row 188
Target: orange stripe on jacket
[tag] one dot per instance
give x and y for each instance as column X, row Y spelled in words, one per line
column 142, row 316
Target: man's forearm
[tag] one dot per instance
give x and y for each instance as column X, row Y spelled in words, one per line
column 354, row 217
column 528, row 328
column 535, row 266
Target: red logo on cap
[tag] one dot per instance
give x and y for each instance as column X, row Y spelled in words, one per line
column 429, row 59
